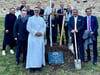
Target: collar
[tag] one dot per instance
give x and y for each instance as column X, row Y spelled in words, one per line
column 89, row 16
column 76, row 17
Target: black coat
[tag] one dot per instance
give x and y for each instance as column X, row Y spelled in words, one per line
column 41, row 12
column 9, row 24
column 30, row 12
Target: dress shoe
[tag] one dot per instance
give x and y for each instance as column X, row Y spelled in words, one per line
column 31, row 70
column 17, row 63
column 94, row 63
column 87, row 60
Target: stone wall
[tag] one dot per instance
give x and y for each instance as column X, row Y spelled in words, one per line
column 83, row 4
column 79, row 4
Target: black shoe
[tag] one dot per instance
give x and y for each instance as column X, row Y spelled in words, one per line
column 17, row 63
column 87, row 60
column 39, row 69
column 94, row 63
column 31, row 70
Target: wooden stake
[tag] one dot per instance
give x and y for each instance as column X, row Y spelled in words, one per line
column 62, row 29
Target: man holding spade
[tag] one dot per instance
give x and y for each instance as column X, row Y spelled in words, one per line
column 75, row 25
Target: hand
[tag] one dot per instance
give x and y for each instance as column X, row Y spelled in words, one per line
column 15, row 38
column 73, row 31
column 7, row 31
column 38, row 34
column 51, row 13
column 92, row 32
column 53, row 25
column 45, row 19
column 76, row 31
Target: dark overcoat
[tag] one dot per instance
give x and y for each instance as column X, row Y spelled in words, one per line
column 9, row 24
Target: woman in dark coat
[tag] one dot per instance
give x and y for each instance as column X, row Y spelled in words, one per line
column 8, row 32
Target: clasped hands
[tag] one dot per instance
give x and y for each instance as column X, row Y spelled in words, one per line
column 38, row 34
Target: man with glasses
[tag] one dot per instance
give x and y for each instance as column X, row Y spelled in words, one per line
column 21, row 36
column 36, row 27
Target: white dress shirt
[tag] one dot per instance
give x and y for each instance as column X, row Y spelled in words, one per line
column 75, row 20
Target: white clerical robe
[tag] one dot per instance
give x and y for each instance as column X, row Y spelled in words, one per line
column 36, row 47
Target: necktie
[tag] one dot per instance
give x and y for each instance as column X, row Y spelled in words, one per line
column 89, row 23
column 62, row 10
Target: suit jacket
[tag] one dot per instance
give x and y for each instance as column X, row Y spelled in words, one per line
column 60, row 18
column 80, row 25
column 41, row 12
column 20, row 29
column 30, row 13
column 21, row 7
column 94, row 24
column 54, row 21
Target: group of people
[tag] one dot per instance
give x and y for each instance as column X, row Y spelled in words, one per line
column 26, row 28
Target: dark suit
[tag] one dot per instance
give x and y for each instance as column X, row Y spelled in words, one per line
column 21, row 7
column 41, row 12
column 60, row 20
column 21, row 34
column 54, row 30
column 94, row 28
column 79, row 25
column 30, row 12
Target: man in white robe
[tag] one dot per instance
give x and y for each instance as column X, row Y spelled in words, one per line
column 36, row 27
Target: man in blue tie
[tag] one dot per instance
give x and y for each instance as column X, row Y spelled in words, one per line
column 60, row 20
column 91, row 24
